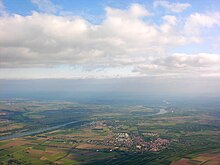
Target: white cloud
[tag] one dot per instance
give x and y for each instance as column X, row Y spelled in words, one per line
column 45, row 39
column 173, row 7
column 195, row 22
column 170, row 19
column 181, row 63
column 125, row 39
column 46, row 6
column 138, row 10
column 3, row 11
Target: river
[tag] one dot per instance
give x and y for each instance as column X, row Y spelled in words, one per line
column 21, row 134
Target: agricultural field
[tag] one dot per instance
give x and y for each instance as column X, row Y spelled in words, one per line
column 40, row 132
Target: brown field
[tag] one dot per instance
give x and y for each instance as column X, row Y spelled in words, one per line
column 36, row 153
column 209, row 159
column 52, row 152
column 10, row 127
column 4, row 134
column 89, row 134
column 43, row 158
column 59, row 146
column 91, row 146
column 13, row 143
column 58, row 162
column 184, row 161
column 205, row 159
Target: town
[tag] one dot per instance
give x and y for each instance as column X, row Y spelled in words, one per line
column 128, row 140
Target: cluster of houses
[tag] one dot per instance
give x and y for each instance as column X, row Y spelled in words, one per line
column 131, row 141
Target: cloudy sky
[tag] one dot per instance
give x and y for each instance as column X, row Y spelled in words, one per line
column 109, row 39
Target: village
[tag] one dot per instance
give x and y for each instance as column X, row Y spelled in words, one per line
column 130, row 141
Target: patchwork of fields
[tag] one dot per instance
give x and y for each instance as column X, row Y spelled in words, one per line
column 105, row 134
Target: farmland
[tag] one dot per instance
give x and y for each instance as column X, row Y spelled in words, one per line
column 73, row 133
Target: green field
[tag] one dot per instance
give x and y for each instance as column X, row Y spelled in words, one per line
column 108, row 134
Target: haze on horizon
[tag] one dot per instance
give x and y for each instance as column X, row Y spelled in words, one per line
column 158, row 46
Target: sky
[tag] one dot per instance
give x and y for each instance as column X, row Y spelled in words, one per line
column 102, row 39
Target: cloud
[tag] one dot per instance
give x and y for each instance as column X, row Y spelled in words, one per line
column 124, row 39
column 46, row 6
column 170, row 19
column 181, row 63
column 173, row 7
column 195, row 22
column 3, row 11
column 48, row 40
